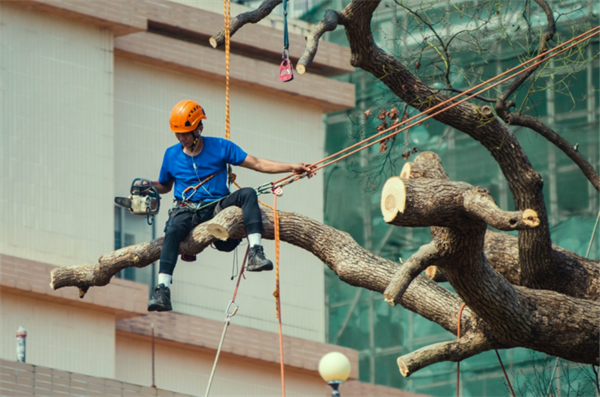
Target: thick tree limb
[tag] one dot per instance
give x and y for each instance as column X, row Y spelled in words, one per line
column 329, row 23
column 458, row 247
column 445, row 351
column 432, row 202
column 579, row 277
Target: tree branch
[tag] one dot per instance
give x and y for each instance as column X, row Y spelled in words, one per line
column 329, row 23
column 407, row 272
column 455, row 351
column 480, row 205
column 254, row 16
column 558, row 141
column 432, row 202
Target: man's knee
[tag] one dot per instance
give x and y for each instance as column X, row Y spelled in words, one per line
column 177, row 230
column 247, row 194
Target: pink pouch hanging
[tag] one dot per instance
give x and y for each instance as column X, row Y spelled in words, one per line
column 286, row 71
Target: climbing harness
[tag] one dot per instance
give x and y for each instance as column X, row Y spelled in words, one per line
column 143, row 199
column 286, row 69
column 231, row 310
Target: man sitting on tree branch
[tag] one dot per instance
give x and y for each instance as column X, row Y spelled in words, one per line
column 199, row 164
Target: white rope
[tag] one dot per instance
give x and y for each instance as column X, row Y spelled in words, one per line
column 214, row 368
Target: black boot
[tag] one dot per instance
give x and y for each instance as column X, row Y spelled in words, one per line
column 161, row 299
column 257, row 261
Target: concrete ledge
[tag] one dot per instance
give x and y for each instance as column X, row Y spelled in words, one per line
column 24, row 277
column 33, row 380
column 166, row 52
column 241, row 342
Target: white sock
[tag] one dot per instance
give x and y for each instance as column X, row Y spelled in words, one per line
column 254, row 239
column 165, row 279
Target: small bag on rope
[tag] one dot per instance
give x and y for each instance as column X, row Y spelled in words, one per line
column 286, row 71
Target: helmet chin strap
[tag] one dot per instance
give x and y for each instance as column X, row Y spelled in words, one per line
column 196, row 137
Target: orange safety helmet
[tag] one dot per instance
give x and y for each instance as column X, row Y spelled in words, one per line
column 186, row 116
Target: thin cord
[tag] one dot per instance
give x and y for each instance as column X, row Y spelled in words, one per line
column 505, row 375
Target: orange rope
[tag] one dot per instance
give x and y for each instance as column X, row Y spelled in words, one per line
column 277, row 292
column 458, row 337
column 588, row 35
column 226, row 12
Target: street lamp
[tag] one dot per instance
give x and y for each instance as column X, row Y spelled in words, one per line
column 334, row 368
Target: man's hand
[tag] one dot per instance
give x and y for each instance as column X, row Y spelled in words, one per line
column 301, row 168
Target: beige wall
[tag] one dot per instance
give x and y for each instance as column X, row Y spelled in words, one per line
column 187, row 371
column 58, row 336
column 262, row 125
column 56, row 155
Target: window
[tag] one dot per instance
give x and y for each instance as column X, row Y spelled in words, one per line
column 130, row 230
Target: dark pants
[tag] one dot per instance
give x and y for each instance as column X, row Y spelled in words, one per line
column 181, row 222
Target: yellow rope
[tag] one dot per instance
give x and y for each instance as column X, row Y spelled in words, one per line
column 226, row 12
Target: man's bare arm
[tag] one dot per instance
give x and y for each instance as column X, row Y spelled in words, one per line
column 274, row 167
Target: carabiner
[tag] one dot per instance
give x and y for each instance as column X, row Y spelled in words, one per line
column 264, row 188
column 229, row 313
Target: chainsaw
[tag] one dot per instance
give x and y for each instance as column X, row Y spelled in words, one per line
column 143, row 200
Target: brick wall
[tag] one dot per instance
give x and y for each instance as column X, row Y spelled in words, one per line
column 21, row 379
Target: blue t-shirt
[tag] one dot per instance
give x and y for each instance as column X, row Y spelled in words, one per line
column 214, row 157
